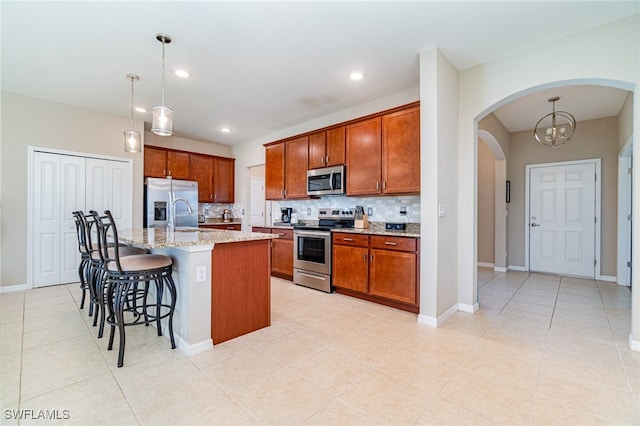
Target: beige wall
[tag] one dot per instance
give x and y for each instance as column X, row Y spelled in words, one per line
column 492, row 125
column 593, row 139
column 185, row 144
column 34, row 122
column 486, row 204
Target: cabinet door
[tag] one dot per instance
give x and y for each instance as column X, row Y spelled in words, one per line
column 155, row 162
column 317, row 151
column 335, row 147
column 282, row 258
column 201, row 170
column 401, row 152
column 178, row 164
column 349, row 267
column 297, row 164
column 364, row 157
column 274, row 172
column 223, row 180
column 393, row 275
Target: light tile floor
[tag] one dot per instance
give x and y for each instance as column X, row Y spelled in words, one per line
column 541, row 350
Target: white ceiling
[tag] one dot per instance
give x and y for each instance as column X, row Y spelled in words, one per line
column 260, row 67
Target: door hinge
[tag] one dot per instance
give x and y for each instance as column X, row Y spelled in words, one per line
column 595, row 262
column 595, row 177
column 629, row 217
column 595, row 220
column 629, row 264
column 630, row 170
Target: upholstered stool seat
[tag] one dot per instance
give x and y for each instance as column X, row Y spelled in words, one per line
column 135, row 287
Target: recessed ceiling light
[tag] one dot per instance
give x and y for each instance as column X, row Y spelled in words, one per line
column 182, row 73
column 225, row 130
column 140, row 109
column 356, row 75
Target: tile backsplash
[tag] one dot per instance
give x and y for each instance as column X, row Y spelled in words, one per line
column 385, row 209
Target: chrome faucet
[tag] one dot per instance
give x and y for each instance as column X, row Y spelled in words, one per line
column 172, row 225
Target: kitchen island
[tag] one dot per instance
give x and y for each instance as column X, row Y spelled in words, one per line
column 222, row 281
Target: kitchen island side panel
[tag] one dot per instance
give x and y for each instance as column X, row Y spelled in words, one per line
column 240, row 289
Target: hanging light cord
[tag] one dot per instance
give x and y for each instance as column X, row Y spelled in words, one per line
column 132, row 124
column 163, row 71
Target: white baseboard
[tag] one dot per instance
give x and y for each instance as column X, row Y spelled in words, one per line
column 517, row 268
column 471, row 309
column 634, row 345
column 500, row 269
column 191, row 350
column 13, row 288
column 607, row 278
column 485, row 265
column 435, row 322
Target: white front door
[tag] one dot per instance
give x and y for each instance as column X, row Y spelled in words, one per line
column 562, row 219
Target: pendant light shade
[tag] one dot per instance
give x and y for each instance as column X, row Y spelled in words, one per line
column 162, row 123
column 132, row 140
column 556, row 128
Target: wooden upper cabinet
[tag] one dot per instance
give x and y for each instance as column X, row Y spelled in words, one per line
column 296, row 166
column 274, row 172
column 155, row 162
column 178, row 164
column 201, row 170
column 327, row 148
column 317, row 150
column 335, row 146
column 363, row 151
column 401, row 152
column 223, row 180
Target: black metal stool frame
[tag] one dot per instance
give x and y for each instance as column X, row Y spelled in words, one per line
column 122, row 292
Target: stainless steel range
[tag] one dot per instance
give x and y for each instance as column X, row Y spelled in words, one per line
column 312, row 248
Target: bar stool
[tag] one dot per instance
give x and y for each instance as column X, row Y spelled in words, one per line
column 96, row 270
column 123, row 296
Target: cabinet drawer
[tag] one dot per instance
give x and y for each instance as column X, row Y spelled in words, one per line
column 225, row 226
column 394, row 243
column 261, row 229
column 283, row 234
column 351, row 239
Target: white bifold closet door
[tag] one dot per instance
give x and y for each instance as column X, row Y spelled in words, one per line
column 63, row 184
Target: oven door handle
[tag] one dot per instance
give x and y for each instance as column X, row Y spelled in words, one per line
column 331, row 181
column 312, row 233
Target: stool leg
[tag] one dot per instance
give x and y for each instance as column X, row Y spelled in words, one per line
column 159, row 293
column 119, row 304
column 100, row 291
column 172, row 291
column 112, row 315
column 83, row 283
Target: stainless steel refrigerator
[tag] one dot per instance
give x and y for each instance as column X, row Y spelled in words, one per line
column 159, row 194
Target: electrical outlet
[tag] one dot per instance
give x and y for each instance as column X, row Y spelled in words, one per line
column 206, row 211
column 308, row 212
column 201, row 274
column 370, row 211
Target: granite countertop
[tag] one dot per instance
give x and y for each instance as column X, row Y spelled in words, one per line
column 378, row 228
column 375, row 228
column 150, row 238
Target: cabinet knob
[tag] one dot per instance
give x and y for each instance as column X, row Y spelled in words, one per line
column 364, row 257
column 371, row 258
column 390, row 243
column 347, row 239
column 384, row 184
column 377, row 185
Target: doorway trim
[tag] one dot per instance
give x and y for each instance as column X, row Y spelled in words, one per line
column 597, row 163
column 625, row 160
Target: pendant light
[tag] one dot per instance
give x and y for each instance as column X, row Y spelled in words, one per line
column 556, row 128
column 132, row 141
column 162, row 123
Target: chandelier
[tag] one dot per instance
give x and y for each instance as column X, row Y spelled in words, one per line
column 162, row 123
column 556, row 128
column 132, row 141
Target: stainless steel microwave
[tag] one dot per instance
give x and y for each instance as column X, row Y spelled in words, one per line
column 326, row 181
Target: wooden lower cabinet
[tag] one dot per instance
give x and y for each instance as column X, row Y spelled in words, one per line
column 240, row 289
column 281, row 251
column 378, row 268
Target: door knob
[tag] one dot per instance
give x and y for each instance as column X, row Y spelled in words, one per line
column 534, row 224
